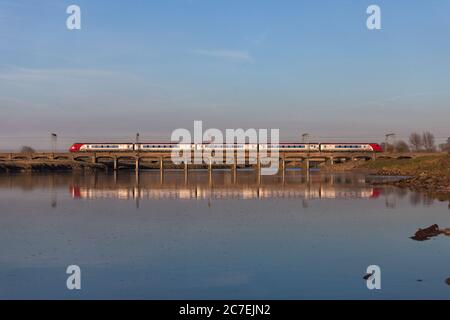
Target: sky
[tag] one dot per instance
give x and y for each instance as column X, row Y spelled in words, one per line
column 155, row 66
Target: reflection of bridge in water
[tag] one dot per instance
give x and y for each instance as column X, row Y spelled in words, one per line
column 316, row 192
column 204, row 185
column 222, row 186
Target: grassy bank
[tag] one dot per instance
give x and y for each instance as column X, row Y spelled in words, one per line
column 430, row 174
column 432, row 165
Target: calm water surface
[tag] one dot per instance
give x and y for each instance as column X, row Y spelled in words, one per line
column 217, row 238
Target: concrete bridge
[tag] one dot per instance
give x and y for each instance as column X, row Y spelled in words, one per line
column 96, row 157
column 161, row 158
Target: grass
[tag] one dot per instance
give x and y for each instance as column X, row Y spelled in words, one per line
column 438, row 164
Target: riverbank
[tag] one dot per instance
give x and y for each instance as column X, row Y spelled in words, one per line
column 47, row 165
column 429, row 174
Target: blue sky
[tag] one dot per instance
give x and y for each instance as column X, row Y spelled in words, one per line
column 154, row 66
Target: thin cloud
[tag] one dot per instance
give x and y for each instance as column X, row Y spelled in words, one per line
column 19, row 73
column 385, row 102
column 236, row 55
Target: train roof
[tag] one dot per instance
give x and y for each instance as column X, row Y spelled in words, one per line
column 226, row 143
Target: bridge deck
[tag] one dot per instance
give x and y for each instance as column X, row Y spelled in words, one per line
column 287, row 155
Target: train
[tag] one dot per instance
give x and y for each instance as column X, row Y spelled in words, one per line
column 169, row 147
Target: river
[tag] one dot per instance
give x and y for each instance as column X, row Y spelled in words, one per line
column 217, row 237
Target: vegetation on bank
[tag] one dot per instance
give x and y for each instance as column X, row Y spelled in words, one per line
column 429, row 164
column 47, row 165
column 430, row 174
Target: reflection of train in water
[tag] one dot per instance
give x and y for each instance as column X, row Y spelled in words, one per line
column 199, row 192
column 168, row 147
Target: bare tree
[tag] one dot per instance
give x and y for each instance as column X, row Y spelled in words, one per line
column 27, row 149
column 401, row 146
column 445, row 146
column 387, row 147
column 428, row 141
column 415, row 140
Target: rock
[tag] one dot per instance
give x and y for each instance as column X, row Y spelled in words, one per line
column 427, row 233
column 367, row 276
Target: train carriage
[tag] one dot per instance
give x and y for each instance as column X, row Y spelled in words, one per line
column 162, row 147
column 101, row 147
column 248, row 147
column 350, row 147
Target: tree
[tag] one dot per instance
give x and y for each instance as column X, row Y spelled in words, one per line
column 27, row 149
column 401, row 146
column 428, row 141
column 387, row 147
column 445, row 146
column 415, row 140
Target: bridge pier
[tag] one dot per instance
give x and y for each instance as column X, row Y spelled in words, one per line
column 306, row 164
column 136, row 175
column 283, row 168
column 161, row 164
column 258, row 169
column 210, row 168
column 331, row 160
column 137, row 165
column 234, row 169
column 210, row 177
column 210, row 172
column 115, row 164
column 161, row 169
column 186, row 172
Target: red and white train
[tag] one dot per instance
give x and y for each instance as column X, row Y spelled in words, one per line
column 168, row 147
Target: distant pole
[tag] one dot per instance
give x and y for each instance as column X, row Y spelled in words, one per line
column 136, row 148
column 305, row 137
column 386, row 141
column 53, row 139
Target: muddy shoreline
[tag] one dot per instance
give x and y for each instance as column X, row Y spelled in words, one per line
column 427, row 174
column 48, row 166
column 435, row 186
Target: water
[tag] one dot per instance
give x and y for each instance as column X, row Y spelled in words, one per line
column 216, row 238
